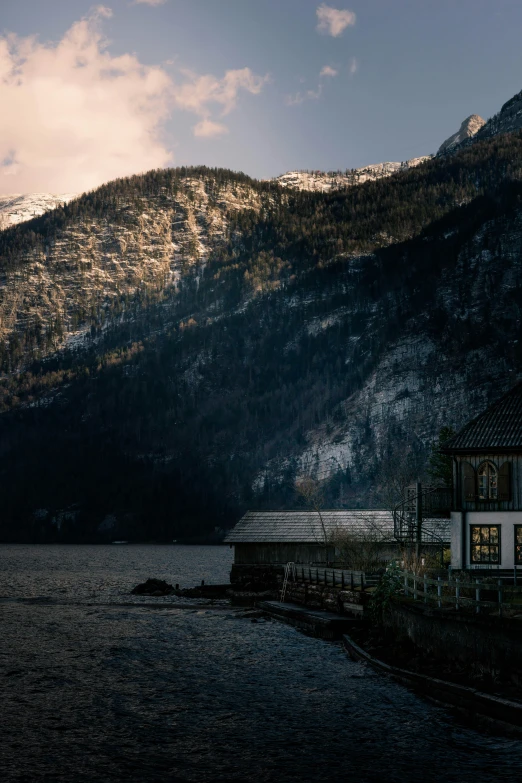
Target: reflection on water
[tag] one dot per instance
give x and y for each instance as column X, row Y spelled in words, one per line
column 94, row 689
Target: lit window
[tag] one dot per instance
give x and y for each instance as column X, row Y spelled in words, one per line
column 487, row 482
column 485, row 544
column 518, row 544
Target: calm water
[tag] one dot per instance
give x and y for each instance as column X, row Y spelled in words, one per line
column 97, row 686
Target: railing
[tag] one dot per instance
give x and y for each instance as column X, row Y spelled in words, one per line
column 423, row 515
column 462, row 594
column 289, row 573
column 334, row 577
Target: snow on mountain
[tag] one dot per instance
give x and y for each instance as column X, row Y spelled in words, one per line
column 323, row 182
column 467, row 130
column 18, row 207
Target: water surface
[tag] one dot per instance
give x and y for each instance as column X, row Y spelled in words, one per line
column 95, row 687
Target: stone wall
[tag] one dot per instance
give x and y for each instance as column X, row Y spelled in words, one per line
column 256, row 578
column 486, row 644
column 326, row 597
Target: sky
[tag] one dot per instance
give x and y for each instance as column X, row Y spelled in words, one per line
column 90, row 92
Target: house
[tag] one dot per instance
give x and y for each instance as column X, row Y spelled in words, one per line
column 486, row 517
column 311, row 537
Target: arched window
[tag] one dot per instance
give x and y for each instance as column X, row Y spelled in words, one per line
column 487, row 481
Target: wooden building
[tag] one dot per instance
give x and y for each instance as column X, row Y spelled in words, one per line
column 486, row 518
column 278, row 537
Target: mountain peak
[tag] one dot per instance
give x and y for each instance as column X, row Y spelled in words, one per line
column 468, row 128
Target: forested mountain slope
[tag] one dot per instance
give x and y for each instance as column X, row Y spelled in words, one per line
column 235, row 334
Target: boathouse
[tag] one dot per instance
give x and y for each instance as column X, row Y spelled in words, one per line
column 486, row 518
column 311, row 537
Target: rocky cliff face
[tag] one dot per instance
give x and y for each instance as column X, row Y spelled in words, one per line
column 508, row 120
column 89, row 270
column 323, row 182
column 467, row 130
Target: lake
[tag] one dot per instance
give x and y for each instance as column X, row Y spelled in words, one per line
column 98, row 686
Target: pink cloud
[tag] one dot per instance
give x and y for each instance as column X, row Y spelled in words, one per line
column 208, row 129
column 327, row 70
column 333, row 21
column 74, row 116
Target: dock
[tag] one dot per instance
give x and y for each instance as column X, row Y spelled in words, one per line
column 325, row 625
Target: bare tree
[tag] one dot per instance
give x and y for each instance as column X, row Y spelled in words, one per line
column 311, row 494
column 365, row 546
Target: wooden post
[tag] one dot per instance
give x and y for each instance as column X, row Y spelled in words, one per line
column 302, row 573
column 425, row 590
column 477, row 596
column 418, row 521
column 333, row 577
column 414, row 587
column 342, row 579
column 457, row 592
column 406, row 583
column 351, row 581
column 362, row 581
column 439, row 592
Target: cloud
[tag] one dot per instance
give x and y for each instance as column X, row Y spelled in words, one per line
column 312, row 95
column 199, row 92
column 300, row 97
column 149, row 2
column 327, row 70
column 354, row 66
column 102, row 11
column 333, row 21
column 208, row 129
column 74, row 116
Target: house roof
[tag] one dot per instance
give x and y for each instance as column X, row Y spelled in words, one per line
column 499, row 427
column 304, row 527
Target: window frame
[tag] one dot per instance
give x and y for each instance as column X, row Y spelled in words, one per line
column 517, row 560
column 491, row 465
column 488, row 544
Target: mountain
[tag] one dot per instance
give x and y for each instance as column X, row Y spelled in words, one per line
column 18, row 207
column 323, row 182
column 222, row 336
column 507, row 120
column 470, row 126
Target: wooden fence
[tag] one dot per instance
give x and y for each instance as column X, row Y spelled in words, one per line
column 335, row 577
column 462, row 594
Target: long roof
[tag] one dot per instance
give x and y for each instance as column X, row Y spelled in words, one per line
column 275, row 527
column 499, row 427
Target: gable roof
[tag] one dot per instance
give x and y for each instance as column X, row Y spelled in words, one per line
column 499, row 427
column 304, row 527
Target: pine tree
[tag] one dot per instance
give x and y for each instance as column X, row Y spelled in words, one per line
column 440, row 466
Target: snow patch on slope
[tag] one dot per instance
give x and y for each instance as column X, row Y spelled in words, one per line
column 18, row 207
column 324, row 182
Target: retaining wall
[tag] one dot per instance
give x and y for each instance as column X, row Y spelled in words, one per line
column 317, row 596
column 490, row 645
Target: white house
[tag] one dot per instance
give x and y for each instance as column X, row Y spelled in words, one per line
column 486, row 520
